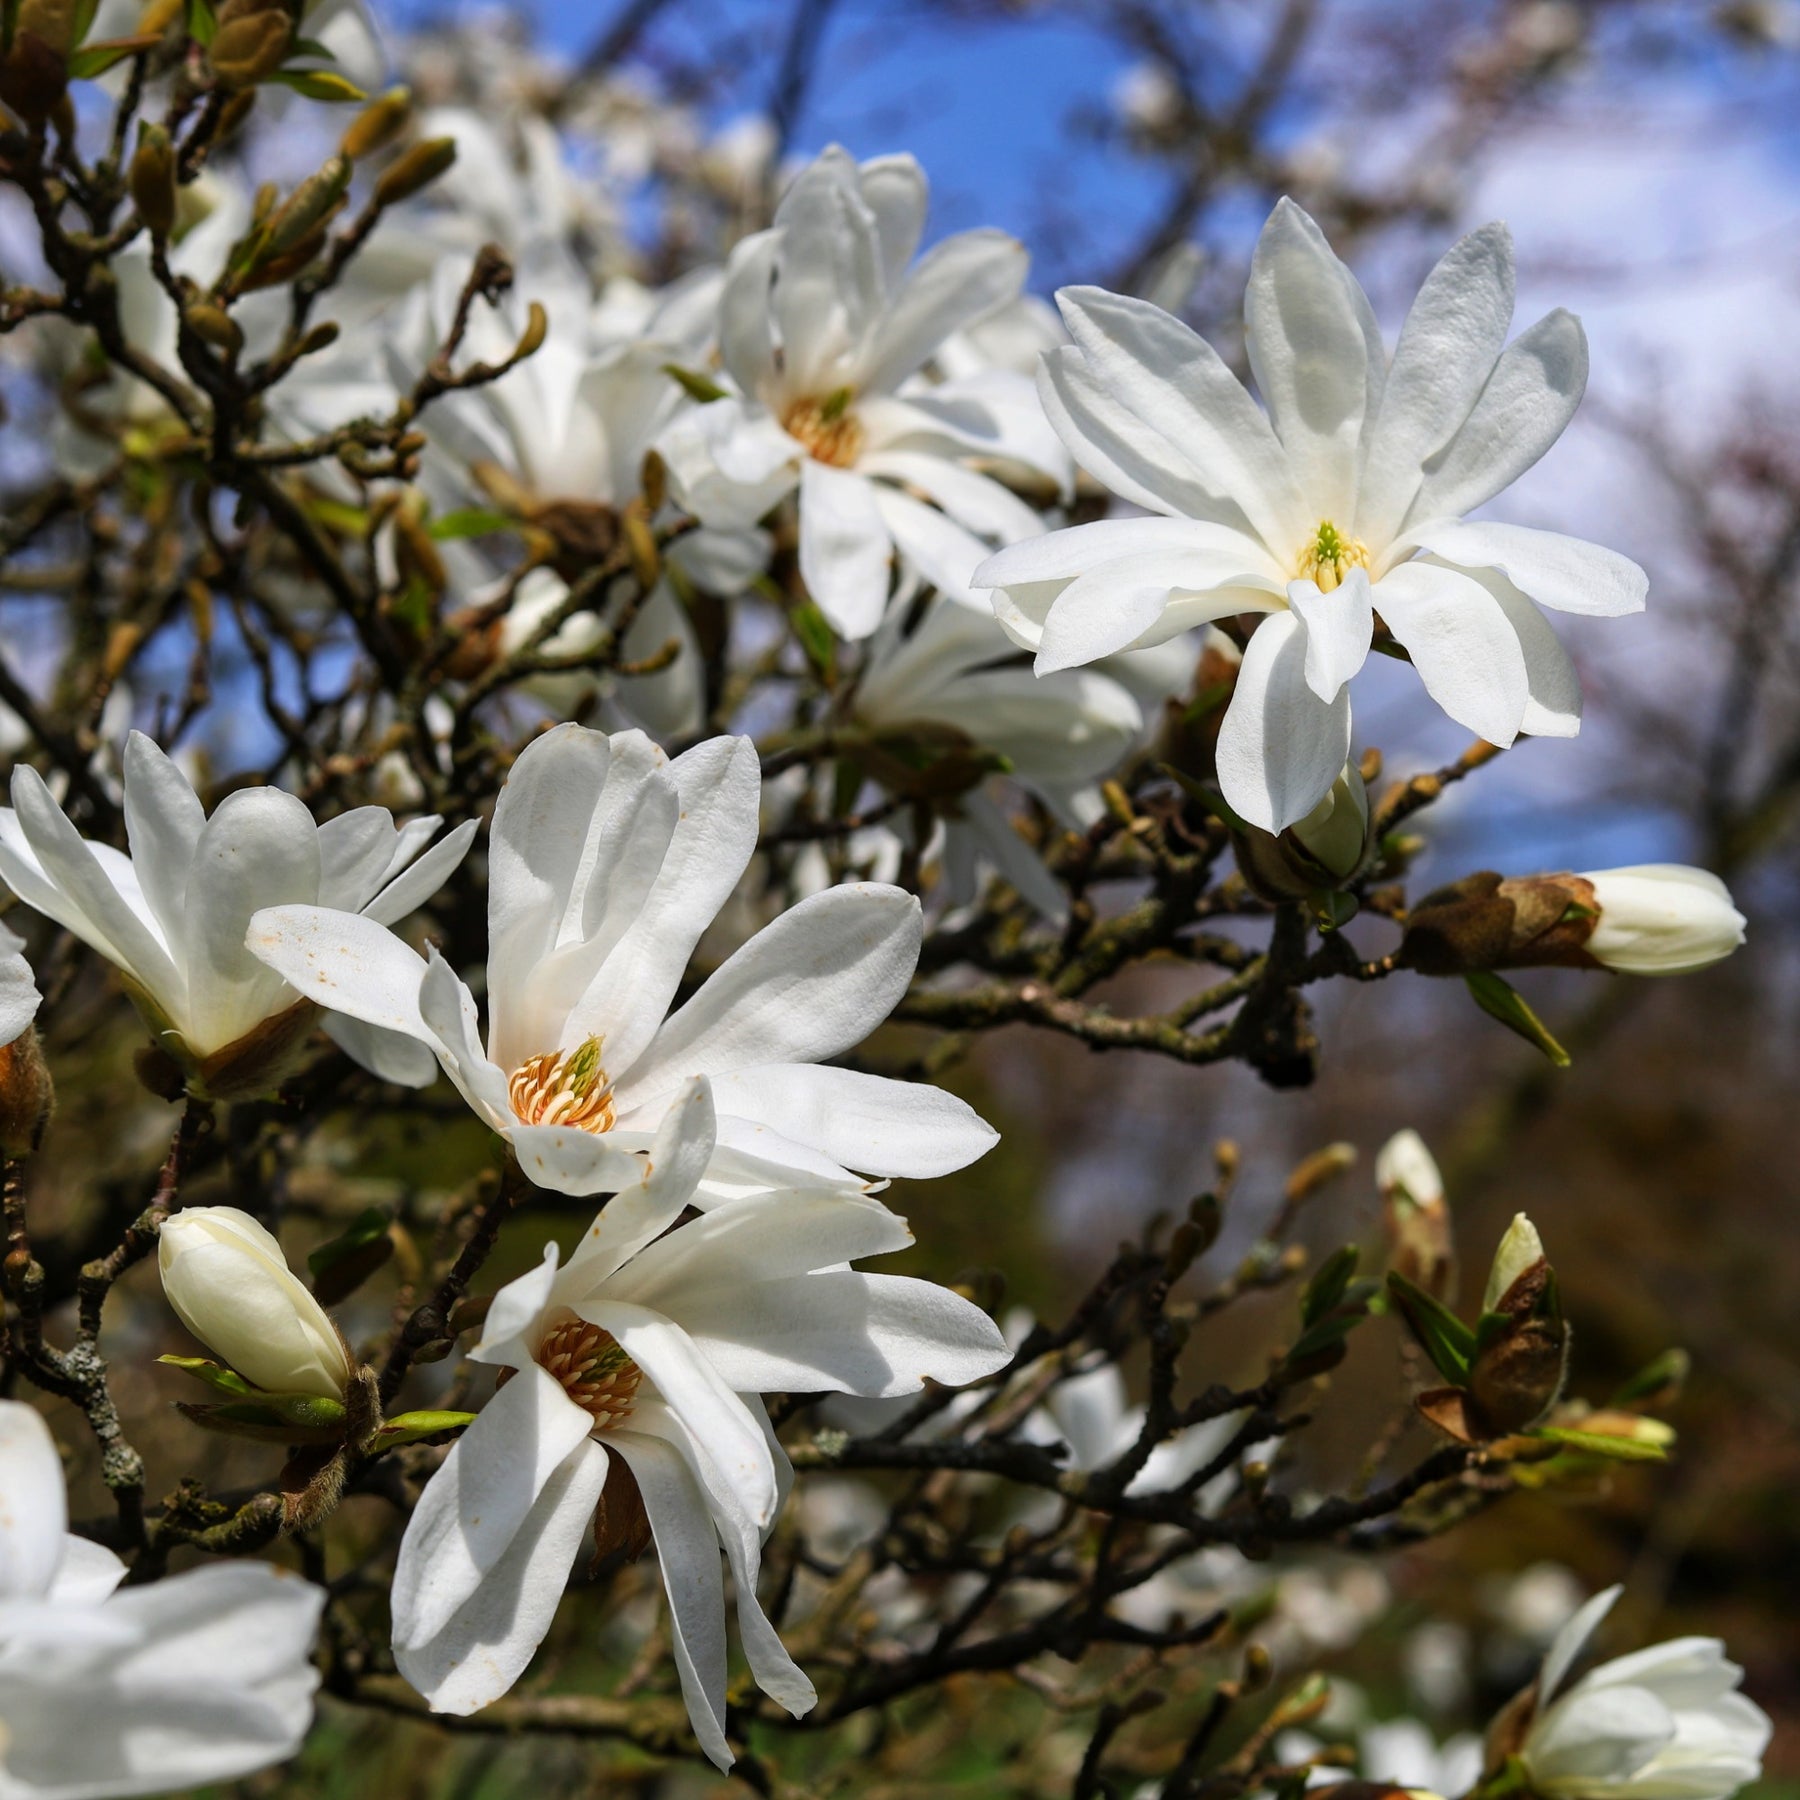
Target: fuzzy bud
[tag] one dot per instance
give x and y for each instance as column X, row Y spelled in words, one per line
column 252, row 41
column 1522, row 1344
column 417, row 168
column 1416, row 1214
column 152, row 179
column 230, row 1285
column 377, row 124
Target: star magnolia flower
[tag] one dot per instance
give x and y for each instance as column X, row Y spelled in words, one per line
column 1664, row 1724
column 653, row 1352
column 608, row 861
column 171, row 916
column 188, row 1681
column 822, row 327
column 1344, row 502
column 1662, row 919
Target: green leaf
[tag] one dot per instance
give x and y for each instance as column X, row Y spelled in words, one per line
column 692, row 383
column 1499, row 1000
column 1594, row 1443
column 1442, row 1335
column 202, row 23
column 312, row 1412
column 215, row 1375
column 84, row 20
column 96, row 59
column 1213, row 801
column 1209, row 699
column 411, row 1427
column 469, row 522
column 1327, row 1286
column 305, row 46
column 1666, row 1373
column 1332, row 909
column 363, row 1230
column 319, row 84
column 816, row 638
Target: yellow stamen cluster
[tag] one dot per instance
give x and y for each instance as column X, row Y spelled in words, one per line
column 563, row 1087
column 827, row 427
column 1329, row 557
column 594, row 1372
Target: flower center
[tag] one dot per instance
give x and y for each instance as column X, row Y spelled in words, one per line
column 1329, row 557
column 827, row 427
column 563, row 1087
column 594, row 1372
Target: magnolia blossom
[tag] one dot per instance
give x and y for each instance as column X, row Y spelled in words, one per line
column 653, row 1353
column 1343, row 502
column 608, row 861
column 1405, row 1169
column 230, row 1285
column 196, row 1679
column 19, row 998
column 823, row 328
column 1662, row 919
column 171, row 916
column 1666, row 1723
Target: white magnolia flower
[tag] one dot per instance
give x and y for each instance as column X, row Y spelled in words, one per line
column 171, row 916
column 823, row 327
column 19, row 998
column 1520, row 1249
column 1666, row 1723
column 607, row 863
column 654, row 1352
column 1406, row 1169
column 1344, row 501
column 1662, row 919
column 196, row 1679
column 230, row 1285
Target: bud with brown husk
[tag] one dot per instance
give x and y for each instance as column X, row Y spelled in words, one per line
column 251, row 42
column 1416, row 1213
column 1489, row 921
column 34, row 73
column 1509, row 1371
column 1314, row 855
column 27, row 1094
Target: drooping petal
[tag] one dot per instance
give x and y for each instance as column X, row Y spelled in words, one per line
column 867, row 1122
column 1570, row 1643
column 1313, row 346
column 1554, row 708
column 514, row 1325
column 1448, row 346
column 476, row 1504
column 932, row 545
column 975, row 501
column 387, row 1055
column 808, row 986
column 416, row 883
column 1462, row 643
column 259, row 849
column 36, row 1511
column 448, row 1010
column 1524, row 408
column 1174, row 381
column 1339, row 628
column 568, row 1160
column 687, row 1547
column 1564, row 573
column 954, row 283
column 485, row 1645
column 844, row 547
column 1280, row 747
column 346, row 963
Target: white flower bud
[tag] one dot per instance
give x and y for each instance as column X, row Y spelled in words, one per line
column 1519, row 1249
column 1336, row 831
column 231, row 1287
column 1664, row 1724
column 1406, row 1170
column 1662, row 919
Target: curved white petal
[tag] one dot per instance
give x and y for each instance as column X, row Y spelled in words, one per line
column 568, row 1160
column 954, row 283
column 1554, row 708
column 1280, row 747
column 163, row 821
column 845, row 550
column 1339, row 629
column 1462, row 643
column 1566, row 574
column 35, row 1515
column 346, row 963
column 1571, row 1641
column 416, row 883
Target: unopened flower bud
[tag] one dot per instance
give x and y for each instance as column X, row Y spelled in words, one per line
column 1417, row 1214
column 1519, row 1249
column 26, row 1093
column 1316, row 853
column 417, row 168
column 1661, row 919
column 1520, row 1364
column 230, row 1285
column 152, row 179
column 308, row 208
column 377, row 124
column 251, row 42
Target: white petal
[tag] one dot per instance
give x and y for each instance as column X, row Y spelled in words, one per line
column 844, row 548
column 810, row 985
column 866, row 1122
column 346, row 963
column 1554, row 709
column 1524, row 408
column 484, row 1646
column 933, row 546
column 954, row 283
column 569, row 1160
column 356, row 851
column 1447, row 349
column 163, row 820
column 477, row 1502
column 414, row 885
column 514, row 1325
column 746, row 344
column 1313, row 346
column 19, row 998
column 844, row 1332
column 1339, row 628
column 1173, row 380
column 89, row 1572
column 387, row 1055
column 259, row 849
column 975, row 501
column 1597, row 1736
column 893, row 188
column 687, row 1546
column 1281, row 747
column 1571, row 1641
column 36, row 1511
column 1462, row 644
column 1564, row 573
column 830, row 283
column 1079, row 549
